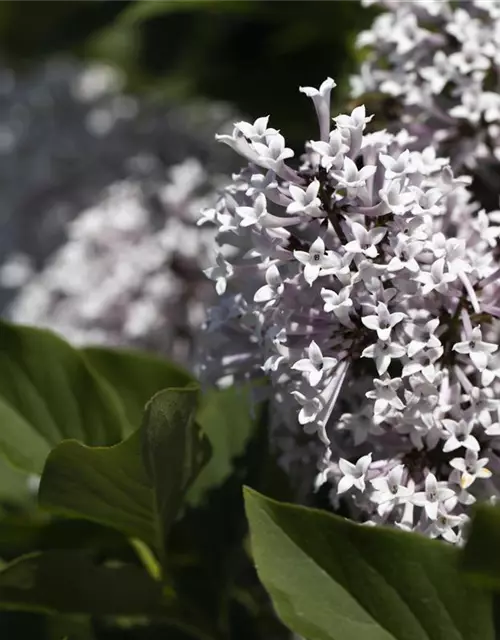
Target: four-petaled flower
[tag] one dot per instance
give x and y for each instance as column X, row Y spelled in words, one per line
column 459, row 435
column 352, row 178
column 389, row 488
column 422, row 337
column 476, row 348
column 434, row 494
column 315, row 260
column 255, row 214
column 365, row 241
column 310, row 407
column 383, row 352
column 338, row 303
column 315, row 365
column 273, row 154
column 436, row 279
column 256, row 131
column 274, row 287
column 220, row 273
column 305, row 202
column 385, row 395
column 382, row 321
column 353, row 474
column 470, row 468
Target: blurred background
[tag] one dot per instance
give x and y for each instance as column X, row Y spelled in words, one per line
column 108, row 111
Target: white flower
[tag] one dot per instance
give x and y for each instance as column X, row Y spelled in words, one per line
column 444, row 524
column 478, row 350
column 310, row 408
column 305, row 202
column 255, row 214
column 382, row 353
column 273, row 154
column 274, row 287
column 382, row 321
column 459, row 435
column 395, row 197
column 426, row 202
column 385, row 395
column 422, row 337
column 353, row 179
column 331, row 152
column 315, row 365
column 389, row 488
column 436, row 279
column 316, row 260
column 397, row 166
column 353, row 475
column 338, row 303
column 434, row 494
column 365, row 241
column 220, row 273
column 405, row 252
column 256, row 131
column 471, row 467
column 321, row 101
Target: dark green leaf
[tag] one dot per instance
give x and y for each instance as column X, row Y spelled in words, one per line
column 332, row 579
column 73, row 581
column 136, row 486
column 140, row 11
column 48, row 394
column 20, row 535
column 174, row 450
column 226, row 418
column 14, row 486
column 207, row 559
column 135, row 376
column 481, row 559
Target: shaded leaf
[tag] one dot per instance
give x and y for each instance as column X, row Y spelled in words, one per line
column 140, row 11
column 48, row 394
column 332, row 579
column 480, row 558
column 226, row 418
column 72, row 581
column 106, row 485
column 20, row 535
column 174, row 450
column 135, row 376
column 138, row 485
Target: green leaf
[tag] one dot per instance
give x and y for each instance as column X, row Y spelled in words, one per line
column 332, row 579
column 108, row 485
column 226, row 418
column 481, row 559
column 140, row 11
column 138, row 485
column 73, row 581
column 175, row 450
column 135, row 376
column 20, row 535
column 14, row 486
column 48, row 394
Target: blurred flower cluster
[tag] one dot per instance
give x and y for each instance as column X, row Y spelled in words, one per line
column 438, row 63
column 363, row 282
column 100, row 235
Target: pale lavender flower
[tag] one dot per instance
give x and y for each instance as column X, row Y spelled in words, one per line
column 315, row 365
column 353, row 474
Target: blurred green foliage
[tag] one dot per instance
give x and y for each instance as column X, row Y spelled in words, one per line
column 253, row 53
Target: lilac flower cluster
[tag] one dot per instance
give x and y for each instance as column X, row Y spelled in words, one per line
column 123, row 270
column 99, row 240
column 363, row 282
column 439, row 61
